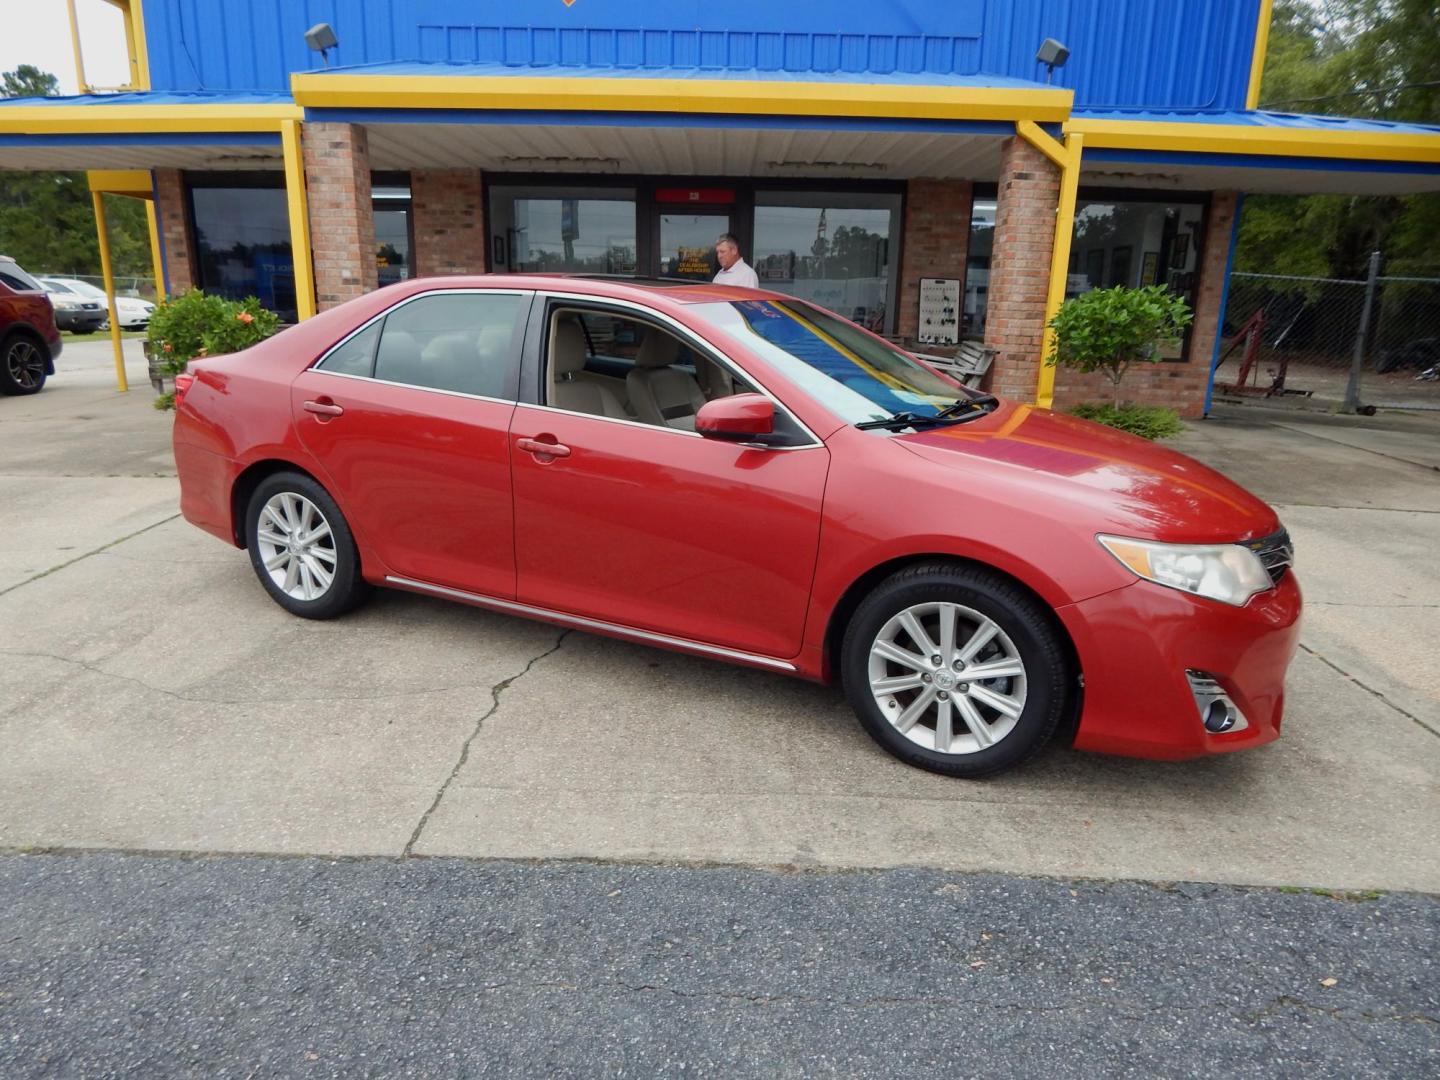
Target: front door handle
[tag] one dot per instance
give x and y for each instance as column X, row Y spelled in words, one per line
column 324, row 408
column 543, row 448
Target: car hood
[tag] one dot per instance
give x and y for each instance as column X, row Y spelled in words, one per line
column 1112, row 481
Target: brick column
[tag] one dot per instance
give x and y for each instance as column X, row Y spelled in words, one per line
column 936, row 241
column 1179, row 385
column 1029, row 192
column 447, row 214
column 342, row 220
column 170, row 207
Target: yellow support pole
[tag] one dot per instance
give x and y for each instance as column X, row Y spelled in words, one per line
column 1257, row 57
column 1059, row 264
column 299, row 219
column 103, row 233
column 156, row 261
column 75, row 43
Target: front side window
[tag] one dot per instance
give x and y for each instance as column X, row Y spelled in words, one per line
column 460, row 342
column 856, row 376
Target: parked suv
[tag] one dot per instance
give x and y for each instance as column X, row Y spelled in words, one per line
column 29, row 338
column 74, row 312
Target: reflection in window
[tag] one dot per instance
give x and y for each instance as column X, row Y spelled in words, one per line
column 829, row 249
column 451, row 341
column 977, row 267
column 242, row 245
column 567, row 232
column 391, row 201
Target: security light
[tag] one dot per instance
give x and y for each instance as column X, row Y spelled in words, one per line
column 321, row 37
column 1052, row 54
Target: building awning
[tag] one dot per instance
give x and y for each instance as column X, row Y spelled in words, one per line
column 1256, row 151
column 682, row 121
column 145, row 130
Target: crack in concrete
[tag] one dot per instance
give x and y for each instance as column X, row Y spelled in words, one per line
column 201, row 699
column 1378, row 694
column 79, row 558
column 1363, row 449
column 495, row 692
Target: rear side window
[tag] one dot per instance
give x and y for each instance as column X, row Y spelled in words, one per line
column 355, row 356
column 18, row 279
column 463, row 342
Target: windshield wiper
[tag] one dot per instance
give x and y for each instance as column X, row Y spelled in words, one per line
column 958, row 413
column 970, row 407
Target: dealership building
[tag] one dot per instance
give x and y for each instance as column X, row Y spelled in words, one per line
column 910, row 165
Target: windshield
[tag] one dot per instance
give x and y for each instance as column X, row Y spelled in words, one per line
column 84, row 288
column 54, row 286
column 855, row 375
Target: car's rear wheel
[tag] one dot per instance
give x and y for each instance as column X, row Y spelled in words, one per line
column 301, row 547
column 22, row 366
column 955, row 669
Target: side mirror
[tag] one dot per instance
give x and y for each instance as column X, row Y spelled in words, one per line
column 737, row 418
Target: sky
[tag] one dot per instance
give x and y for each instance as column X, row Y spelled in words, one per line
column 38, row 32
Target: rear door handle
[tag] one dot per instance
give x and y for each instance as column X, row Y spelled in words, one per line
column 324, row 408
column 541, row 448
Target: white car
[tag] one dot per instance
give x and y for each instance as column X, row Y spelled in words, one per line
column 134, row 313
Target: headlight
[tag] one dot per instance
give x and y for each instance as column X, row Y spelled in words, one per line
column 1225, row 572
column 63, row 303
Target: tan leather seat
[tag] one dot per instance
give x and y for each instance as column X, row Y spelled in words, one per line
column 569, row 387
column 659, row 393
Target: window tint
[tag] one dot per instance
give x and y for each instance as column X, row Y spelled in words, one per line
column 451, row 341
column 356, row 356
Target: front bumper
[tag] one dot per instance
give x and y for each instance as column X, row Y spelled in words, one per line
column 1135, row 645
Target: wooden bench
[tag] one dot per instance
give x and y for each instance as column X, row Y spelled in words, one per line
column 969, row 364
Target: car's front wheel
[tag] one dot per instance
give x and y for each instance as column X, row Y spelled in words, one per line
column 22, row 366
column 955, row 669
column 301, row 547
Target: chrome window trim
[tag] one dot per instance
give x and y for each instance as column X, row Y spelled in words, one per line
column 456, row 291
column 687, row 334
column 591, row 624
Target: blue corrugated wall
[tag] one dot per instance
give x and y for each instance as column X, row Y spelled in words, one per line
column 1155, row 53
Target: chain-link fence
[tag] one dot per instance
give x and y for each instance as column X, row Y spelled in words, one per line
column 125, row 284
column 1353, row 344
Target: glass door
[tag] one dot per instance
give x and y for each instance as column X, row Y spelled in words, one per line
column 687, row 241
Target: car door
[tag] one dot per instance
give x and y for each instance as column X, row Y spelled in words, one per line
column 653, row 526
column 409, row 419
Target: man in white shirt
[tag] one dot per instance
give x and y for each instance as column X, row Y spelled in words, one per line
column 733, row 269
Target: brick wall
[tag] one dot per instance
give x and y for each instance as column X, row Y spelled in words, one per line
column 1181, row 386
column 342, row 221
column 448, row 219
column 170, row 207
column 936, row 239
column 1029, row 191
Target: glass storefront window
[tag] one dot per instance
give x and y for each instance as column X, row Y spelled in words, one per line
column 573, row 230
column 391, row 201
column 977, row 267
column 242, row 244
column 832, row 248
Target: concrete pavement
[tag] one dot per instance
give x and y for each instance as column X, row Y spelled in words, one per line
column 152, row 697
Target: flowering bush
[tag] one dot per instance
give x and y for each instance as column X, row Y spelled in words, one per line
column 197, row 324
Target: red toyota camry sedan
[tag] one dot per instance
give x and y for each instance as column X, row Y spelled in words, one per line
column 746, row 476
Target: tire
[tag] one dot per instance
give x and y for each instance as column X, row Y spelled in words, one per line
column 983, row 737
column 22, row 366
column 291, row 504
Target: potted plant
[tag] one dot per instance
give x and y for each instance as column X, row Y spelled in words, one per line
column 1109, row 330
column 198, row 324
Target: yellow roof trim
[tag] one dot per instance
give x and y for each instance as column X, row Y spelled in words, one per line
column 133, row 182
column 143, row 119
column 1201, row 138
column 740, row 96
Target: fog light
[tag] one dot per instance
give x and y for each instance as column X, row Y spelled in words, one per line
column 1218, row 713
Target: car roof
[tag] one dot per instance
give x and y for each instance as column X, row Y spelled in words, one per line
column 677, row 290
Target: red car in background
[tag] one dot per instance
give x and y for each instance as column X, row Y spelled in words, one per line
column 743, row 475
column 29, row 339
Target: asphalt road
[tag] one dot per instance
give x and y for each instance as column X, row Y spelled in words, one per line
column 117, row 965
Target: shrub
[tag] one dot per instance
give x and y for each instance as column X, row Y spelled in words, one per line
column 1107, row 330
column 1147, row 421
column 198, row 324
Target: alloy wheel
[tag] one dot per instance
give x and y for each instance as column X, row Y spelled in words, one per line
column 947, row 677
column 296, row 546
column 25, row 364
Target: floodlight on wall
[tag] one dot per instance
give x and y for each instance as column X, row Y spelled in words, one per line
column 1052, row 54
column 321, row 37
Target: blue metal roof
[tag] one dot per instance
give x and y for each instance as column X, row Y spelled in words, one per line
column 158, row 97
column 1257, row 118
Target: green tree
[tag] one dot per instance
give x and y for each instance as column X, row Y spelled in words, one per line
column 47, row 222
column 1365, row 58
